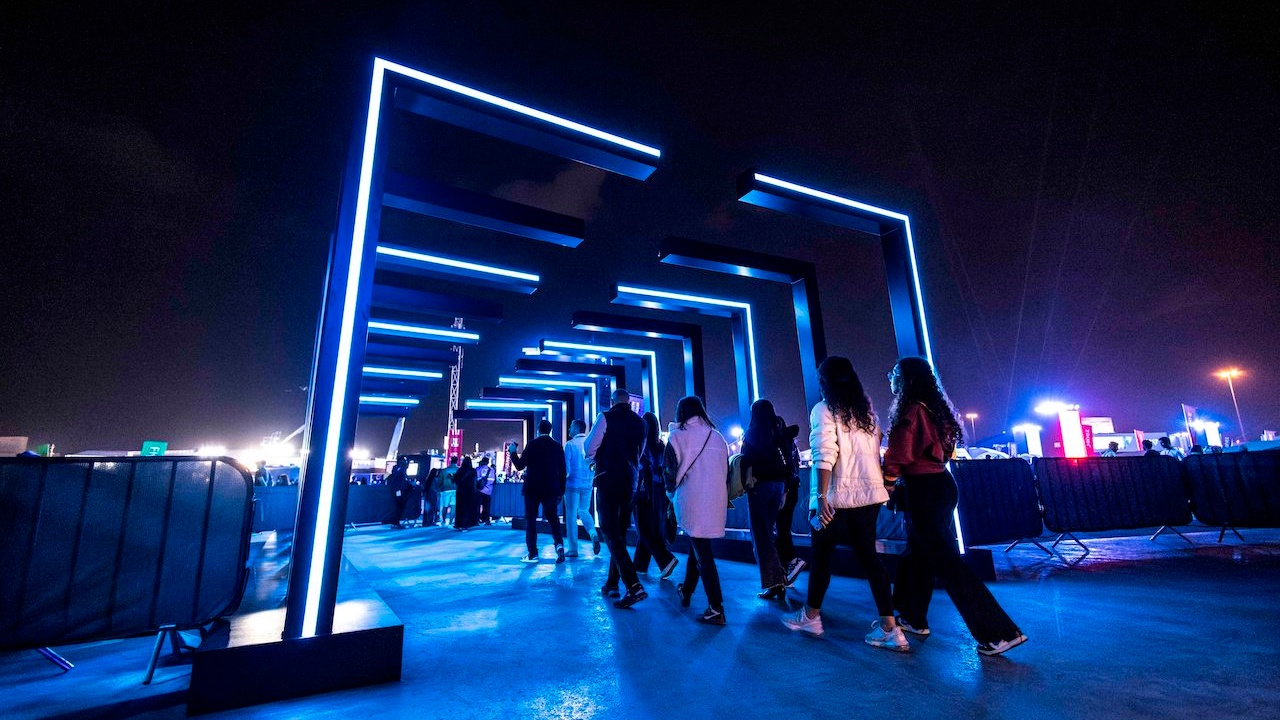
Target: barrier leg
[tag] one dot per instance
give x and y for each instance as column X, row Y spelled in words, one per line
column 1037, row 543
column 1172, row 530
column 1223, row 533
column 1074, row 539
column 155, row 653
column 55, row 658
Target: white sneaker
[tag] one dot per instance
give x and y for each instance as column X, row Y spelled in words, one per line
column 529, row 559
column 892, row 640
column 801, row 621
column 793, row 570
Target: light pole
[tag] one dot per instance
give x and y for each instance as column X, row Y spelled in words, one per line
column 1229, row 375
column 973, row 423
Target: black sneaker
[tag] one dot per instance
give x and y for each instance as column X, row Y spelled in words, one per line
column 711, row 616
column 595, row 544
column 777, row 592
column 793, row 570
column 685, row 600
column 997, row 648
column 559, row 554
column 634, row 595
column 609, row 592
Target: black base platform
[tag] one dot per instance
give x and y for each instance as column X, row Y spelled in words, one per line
column 245, row 662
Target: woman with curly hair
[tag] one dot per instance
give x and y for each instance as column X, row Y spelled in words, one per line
column 923, row 433
column 846, row 492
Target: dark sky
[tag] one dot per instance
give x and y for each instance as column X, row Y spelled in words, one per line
column 1093, row 191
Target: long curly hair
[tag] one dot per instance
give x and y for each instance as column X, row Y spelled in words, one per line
column 844, row 394
column 914, row 381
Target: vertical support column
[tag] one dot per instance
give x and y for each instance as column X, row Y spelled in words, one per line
column 334, row 399
column 810, row 333
column 742, row 365
column 908, row 323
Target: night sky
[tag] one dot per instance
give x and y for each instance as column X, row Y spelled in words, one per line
column 1093, row 193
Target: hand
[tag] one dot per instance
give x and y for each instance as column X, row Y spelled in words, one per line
column 825, row 511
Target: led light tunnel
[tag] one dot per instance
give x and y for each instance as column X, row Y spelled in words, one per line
column 490, row 275
column 388, row 400
column 423, row 331
column 551, row 382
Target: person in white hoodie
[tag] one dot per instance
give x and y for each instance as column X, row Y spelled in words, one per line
column 846, row 492
column 700, row 458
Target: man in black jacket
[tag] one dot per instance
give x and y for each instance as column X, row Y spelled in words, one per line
column 615, row 444
column 544, row 480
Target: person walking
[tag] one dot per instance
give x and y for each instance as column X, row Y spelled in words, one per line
column 923, row 433
column 398, row 482
column 448, row 491
column 486, row 477
column 784, row 540
column 466, row 510
column 577, row 491
column 544, row 483
column 763, row 458
column 845, row 496
column 697, row 462
column 615, row 444
column 650, row 509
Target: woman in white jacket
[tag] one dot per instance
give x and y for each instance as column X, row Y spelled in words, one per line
column 846, row 492
column 700, row 457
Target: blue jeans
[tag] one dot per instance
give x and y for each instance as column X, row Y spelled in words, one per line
column 764, row 500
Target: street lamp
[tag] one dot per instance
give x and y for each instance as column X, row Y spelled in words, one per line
column 1229, row 375
column 973, row 423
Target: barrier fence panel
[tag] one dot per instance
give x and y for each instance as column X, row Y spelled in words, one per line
column 1239, row 489
column 998, row 502
column 112, row 547
column 1089, row 494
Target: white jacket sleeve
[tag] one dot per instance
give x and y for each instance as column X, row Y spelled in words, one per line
column 823, row 447
column 596, row 437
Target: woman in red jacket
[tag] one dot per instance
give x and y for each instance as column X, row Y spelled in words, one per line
column 923, row 433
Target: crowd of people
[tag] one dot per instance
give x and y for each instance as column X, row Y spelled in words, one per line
column 637, row 477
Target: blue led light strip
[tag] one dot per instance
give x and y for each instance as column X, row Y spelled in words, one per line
column 387, row 400
column 421, row 257
column 403, row 373
column 517, row 107
column 432, row 332
column 552, row 382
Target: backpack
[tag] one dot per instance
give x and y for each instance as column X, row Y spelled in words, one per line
column 737, row 484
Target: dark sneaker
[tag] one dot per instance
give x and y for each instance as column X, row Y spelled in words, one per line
column 609, row 592
column 685, row 600
column 634, row 595
column 777, row 592
column 712, row 616
column 922, row 631
column 670, row 568
column 559, row 554
column 793, row 570
column 997, row 648
column 595, row 544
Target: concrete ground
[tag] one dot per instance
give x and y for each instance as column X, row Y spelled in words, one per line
column 1135, row 629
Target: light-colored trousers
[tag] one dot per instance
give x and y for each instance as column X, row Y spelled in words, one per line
column 577, row 506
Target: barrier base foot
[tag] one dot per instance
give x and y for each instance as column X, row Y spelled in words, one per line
column 1074, row 539
column 1174, row 530
column 62, row 662
column 1234, row 531
column 1037, row 543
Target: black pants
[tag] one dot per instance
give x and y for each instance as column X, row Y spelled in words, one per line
column 763, row 502
column 486, row 502
column 929, row 501
column 430, row 507
column 614, row 505
column 550, row 512
column 650, row 515
column 855, row 527
column 464, row 511
column 702, row 563
column 402, row 500
column 785, row 543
